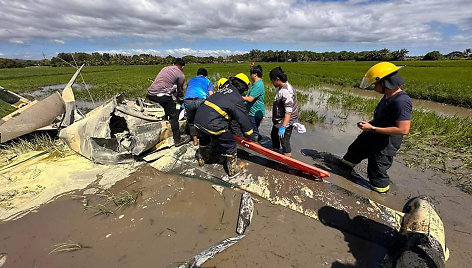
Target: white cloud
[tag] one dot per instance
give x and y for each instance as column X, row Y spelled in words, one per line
column 180, row 52
column 1, row 54
column 16, row 41
column 60, row 42
column 281, row 21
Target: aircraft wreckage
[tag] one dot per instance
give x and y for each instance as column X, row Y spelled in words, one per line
column 122, row 131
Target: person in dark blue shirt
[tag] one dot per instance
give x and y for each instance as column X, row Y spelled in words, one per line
column 198, row 89
column 382, row 137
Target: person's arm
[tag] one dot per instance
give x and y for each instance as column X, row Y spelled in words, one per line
column 286, row 119
column 210, row 88
column 401, row 128
column 238, row 112
column 248, row 98
column 180, row 86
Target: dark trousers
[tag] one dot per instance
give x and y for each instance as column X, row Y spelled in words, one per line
column 170, row 112
column 226, row 141
column 255, row 123
column 191, row 106
column 366, row 146
column 285, row 141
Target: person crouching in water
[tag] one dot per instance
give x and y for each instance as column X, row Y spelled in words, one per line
column 198, row 89
column 284, row 111
column 382, row 136
column 213, row 119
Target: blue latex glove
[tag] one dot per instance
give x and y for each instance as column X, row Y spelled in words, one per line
column 281, row 131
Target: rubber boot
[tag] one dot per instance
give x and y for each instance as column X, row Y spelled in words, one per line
column 202, row 155
column 232, row 164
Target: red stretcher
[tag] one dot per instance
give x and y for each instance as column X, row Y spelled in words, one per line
column 292, row 162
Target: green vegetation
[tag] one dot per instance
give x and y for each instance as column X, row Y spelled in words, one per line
column 441, row 81
column 5, row 108
column 107, row 59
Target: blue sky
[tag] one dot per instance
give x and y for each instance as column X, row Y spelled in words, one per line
column 31, row 29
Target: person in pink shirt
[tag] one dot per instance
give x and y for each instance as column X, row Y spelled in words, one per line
column 170, row 81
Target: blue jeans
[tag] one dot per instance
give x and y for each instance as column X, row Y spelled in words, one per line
column 255, row 123
column 191, row 106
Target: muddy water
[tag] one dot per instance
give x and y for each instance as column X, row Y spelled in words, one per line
column 440, row 108
column 43, row 92
column 175, row 219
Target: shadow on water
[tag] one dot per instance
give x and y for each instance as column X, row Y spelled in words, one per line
column 369, row 241
column 333, row 165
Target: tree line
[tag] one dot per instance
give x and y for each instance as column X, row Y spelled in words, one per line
column 99, row 59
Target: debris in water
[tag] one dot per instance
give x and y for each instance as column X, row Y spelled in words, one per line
column 218, row 188
column 213, row 250
column 3, row 259
column 246, row 210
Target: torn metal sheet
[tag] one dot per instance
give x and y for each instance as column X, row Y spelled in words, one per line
column 117, row 131
column 246, row 209
column 212, row 251
column 69, row 100
column 31, row 117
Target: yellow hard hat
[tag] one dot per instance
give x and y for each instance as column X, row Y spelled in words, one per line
column 377, row 72
column 243, row 78
column 221, row 82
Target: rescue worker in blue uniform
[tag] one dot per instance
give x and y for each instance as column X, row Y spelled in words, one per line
column 381, row 137
column 215, row 117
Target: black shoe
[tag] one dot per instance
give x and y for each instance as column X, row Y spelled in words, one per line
column 182, row 141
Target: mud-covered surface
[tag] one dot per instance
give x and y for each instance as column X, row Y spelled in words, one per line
column 298, row 221
column 174, row 219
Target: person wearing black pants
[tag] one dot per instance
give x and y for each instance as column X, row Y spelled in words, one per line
column 381, row 137
column 168, row 82
column 283, row 142
column 284, row 111
column 171, row 113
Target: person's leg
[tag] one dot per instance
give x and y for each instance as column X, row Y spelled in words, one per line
column 377, row 172
column 258, row 123
column 169, row 108
column 191, row 107
column 228, row 144
column 254, row 125
column 274, row 136
column 285, row 141
column 203, row 155
column 359, row 150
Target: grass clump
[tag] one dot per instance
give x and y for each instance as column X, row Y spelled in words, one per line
column 312, row 117
column 100, row 209
column 120, row 200
column 124, row 198
column 67, row 247
column 39, row 142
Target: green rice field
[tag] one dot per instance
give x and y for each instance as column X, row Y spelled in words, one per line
column 441, row 81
